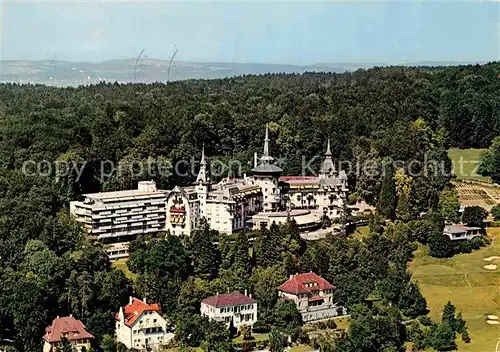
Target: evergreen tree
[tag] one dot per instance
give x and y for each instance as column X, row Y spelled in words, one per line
column 449, row 205
column 277, row 341
column 386, row 204
column 448, row 317
column 204, row 251
column 495, row 211
column 474, row 216
column 241, row 253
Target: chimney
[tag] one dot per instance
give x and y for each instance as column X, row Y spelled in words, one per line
column 70, row 315
column 250, row 295
column 246, row 293
column 291, row 276
column 129, row 300
column 144, row 300
column 255, row 159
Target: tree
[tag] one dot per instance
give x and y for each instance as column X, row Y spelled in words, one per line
column 490, row 161
column 203, row 249
column 474, row 216
column 449, row 205
column 495, row 211
column 264, row 283
column 108, row 344
column 277, row 341
column 403, row 183
column 286, row 316
column 441, row 337
column 448, row 317
column 386, row 204
column 216, row 337
column 64, row 345
column 440, row 245
column 465, row 336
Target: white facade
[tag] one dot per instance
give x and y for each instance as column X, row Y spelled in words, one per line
column 117, row 217
column 140, row 325
column 461, row 232
column 232, row 308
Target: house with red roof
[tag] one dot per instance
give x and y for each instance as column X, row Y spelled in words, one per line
column 141, row 325
column 230, row 308
column 312, row 295
column 70, row 328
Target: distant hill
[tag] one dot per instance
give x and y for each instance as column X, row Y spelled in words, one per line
column 63, row 73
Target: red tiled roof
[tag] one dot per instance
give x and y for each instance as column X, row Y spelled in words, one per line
column 70, row 327
column 135, row 308
column 228, row 299
column 297, row 178
column 300, row 283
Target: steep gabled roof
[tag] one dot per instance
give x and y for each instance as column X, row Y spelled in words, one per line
column 227, row 300
column 135, row 308
column 70, row 327
column 305, row 283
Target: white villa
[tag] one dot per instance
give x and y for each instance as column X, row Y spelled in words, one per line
column 230, row 308
column 140, row 325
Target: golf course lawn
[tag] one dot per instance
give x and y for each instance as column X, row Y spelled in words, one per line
column 471, row 158
column 463, row 280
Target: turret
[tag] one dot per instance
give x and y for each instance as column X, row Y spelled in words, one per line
column 327, row 167
column 202, row 174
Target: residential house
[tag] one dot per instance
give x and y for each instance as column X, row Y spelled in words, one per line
column 70, row 328
column 461, row 232
column 141, row 325
column 312, row 295
column 230, row 308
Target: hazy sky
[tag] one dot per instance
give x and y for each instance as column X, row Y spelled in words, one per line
column 278, row 32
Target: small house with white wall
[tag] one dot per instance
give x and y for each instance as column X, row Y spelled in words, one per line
column 140, row 325
column 461, row 232
column 230, row 308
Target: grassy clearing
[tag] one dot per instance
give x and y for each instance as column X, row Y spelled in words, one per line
column 471, row 158
column 121, row 264
column 257, row 337
column 464, row 281
column 361, row 232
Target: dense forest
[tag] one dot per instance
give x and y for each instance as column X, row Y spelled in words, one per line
column 48, row 267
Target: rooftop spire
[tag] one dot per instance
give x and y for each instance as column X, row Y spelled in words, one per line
column 327, row 167
column 203, row 162
column 202, row 175
column 328, row 151
column 266, row 141
column 266, row 158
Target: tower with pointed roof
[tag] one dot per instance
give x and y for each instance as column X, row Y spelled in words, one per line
column 202, row 174
column 202, row 184
column 327, row 167
column 266, row 175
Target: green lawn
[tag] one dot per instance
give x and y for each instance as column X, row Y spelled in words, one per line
column 361, row 232
column 471, row 158
column 257, row 337
column 464, row 281
column 121, row 264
